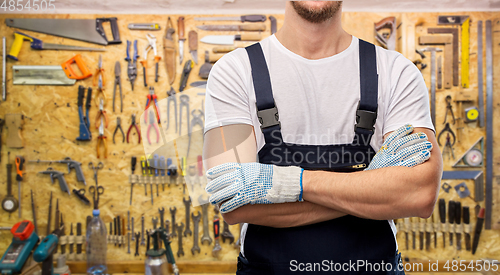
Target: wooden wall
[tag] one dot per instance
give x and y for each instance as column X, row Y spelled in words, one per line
column 51, row 126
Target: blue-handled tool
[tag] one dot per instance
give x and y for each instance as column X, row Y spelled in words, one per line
column 44, row 253
column 85, row 134
column 23, row 241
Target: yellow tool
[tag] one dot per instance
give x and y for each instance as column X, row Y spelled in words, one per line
column 465, row 53
column 38, row 44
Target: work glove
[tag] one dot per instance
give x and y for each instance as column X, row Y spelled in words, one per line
column 253, row 183
column 402, row 149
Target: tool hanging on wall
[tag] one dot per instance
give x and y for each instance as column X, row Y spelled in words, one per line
column 462, row 190
column 467, row 227
column 477, row 230
column 80, row 194
column 132, row 64
column 242, row 18
column 197, row 119
column 19, row 177
column 70, row 73
column 230, row 39
column 454, row 33
column 489, row 126
column 133, row 125
column 118, row 82
column 101, row 139
column 152, row 99
column 480, row 93
column 188, row 66
column 2, row 122
column 169, row 52
column 88, row 30
column 4, row 69
column 473, row 157
column 184, row 102
column 235, row 28
column 449, row 109
column 101, row 115
column 49, row 215
column 449, row 144
column 152, row 124
column 144, row 26
column 475, row 175
column 72, row 164
column 33, row 212
column 433, row 81
column 151, row 45
column 193, row 45
column 445, row 40
column 171, row 98
column 439, row 72
column 60, row 178
column 9, row 203
column 464, row 22
column 13, row 124
column 84, row 129
column 181, row 38
column 38, row 44
column 274, row 27
column 387, row 40
column 118, row 127
column 100, row 97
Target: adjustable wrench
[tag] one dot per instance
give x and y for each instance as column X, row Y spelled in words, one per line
column 187, row 204
column 180, row 251
column 172, row 212
column 196, row 222
column 137, row 237
column 226, row 234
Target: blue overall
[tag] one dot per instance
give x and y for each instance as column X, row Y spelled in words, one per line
column 339, row 241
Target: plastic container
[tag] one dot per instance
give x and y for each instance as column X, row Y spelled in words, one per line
column 96, row 246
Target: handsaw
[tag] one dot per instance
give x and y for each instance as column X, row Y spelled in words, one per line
column 169, row 51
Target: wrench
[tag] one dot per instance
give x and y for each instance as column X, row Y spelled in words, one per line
column 226, row 234
column 128, row 220
column 187, row 204
column 204, row 209
column 196, row 222
column 161, row 211
column 143, row 239
column 133, row 235
column 149, row 237
column 128, row 241
column 137, row 237
column 217, row 247
column 179, row 230
column 237, row 243
column 167, row 226
column 155, row 222
column 172, row 212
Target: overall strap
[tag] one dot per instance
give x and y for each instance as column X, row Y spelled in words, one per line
column 266, row 107
column 366, row 114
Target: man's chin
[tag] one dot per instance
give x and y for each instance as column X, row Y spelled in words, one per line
column 316, row 11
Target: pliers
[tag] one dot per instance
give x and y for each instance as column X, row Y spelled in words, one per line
column 449, row 109
column 101, row 113
column 132, row 64
column 118, row 126
column 101, row 138
column 447, row 129
column 133, row 125
column 99, row 72
column 152, row 98
column 151, row 45
column 100, row 90
column 152, row 124
column 118, row 82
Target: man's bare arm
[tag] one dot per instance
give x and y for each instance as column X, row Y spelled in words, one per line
column 386, row 193
column 236, row 143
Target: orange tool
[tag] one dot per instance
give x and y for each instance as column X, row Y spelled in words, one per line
column 101, row 114
column 99, row 72
column 100, row 92
column 101, row 138
column 70, row 73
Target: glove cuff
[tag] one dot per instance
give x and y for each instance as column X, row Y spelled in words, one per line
column 288, row 179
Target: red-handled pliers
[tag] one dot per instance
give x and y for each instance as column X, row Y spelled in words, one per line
column 152, row 123
column 133, row 125
column 152, row 97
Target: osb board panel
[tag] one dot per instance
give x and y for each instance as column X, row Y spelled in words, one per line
column 51, row 126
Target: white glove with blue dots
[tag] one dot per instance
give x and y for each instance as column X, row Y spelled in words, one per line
column 237, row 184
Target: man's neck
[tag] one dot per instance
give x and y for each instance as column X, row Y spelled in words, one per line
column 313, row 40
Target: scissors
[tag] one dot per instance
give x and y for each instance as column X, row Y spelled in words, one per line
column 96, row 190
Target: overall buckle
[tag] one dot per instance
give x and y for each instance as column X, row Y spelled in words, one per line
column 365, row 119
column 268, row 117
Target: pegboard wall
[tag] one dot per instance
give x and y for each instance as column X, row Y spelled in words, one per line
column 51, row 126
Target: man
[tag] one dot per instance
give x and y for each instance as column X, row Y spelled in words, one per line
column 315, row 104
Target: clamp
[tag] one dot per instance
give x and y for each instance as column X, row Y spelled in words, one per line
column 101, row 138
column 152, row 98
column 118, row 126
column 152, row 124
column 100, row 90
column 151, row 45
column 100, row 114
column 133, row 125
column 132, row 63
column 99, row 72
column 118, row 82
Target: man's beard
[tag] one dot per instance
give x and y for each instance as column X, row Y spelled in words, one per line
column 317, row 15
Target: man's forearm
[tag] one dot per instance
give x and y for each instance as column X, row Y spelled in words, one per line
column 282, row 215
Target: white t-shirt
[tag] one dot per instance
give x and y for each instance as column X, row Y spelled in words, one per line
column 317, row 99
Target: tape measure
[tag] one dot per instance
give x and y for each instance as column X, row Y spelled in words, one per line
column 471, row 114
column 474, row 157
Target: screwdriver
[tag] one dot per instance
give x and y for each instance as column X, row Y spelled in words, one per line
column 451, row 219
column 133, row 163
column 19, row 178
column 144, row 167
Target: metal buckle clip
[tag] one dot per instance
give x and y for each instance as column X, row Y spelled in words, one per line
column 268, row 117
column 365, row 119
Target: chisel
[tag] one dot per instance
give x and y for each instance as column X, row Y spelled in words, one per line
column 243, row 18
column 144, row 26
column 428, row 230
column 407, row 229
column 422, row 230
column 414, row 225
column 458, row 225
column 451, row 219
column 442, row 217
column 467, row 227
column 477, row 230
column 435, row 219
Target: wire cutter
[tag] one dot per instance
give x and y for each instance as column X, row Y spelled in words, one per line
column 118, row 82
column 133, row 125
column 101, row 113
column 449, row 109
column 118, row 126
column 99, row 72
column 446, row 129
column 132, row 63
column 101, row 138
column 100, row 91
column 152, row 124
column 152, row 98
column 151, row 45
